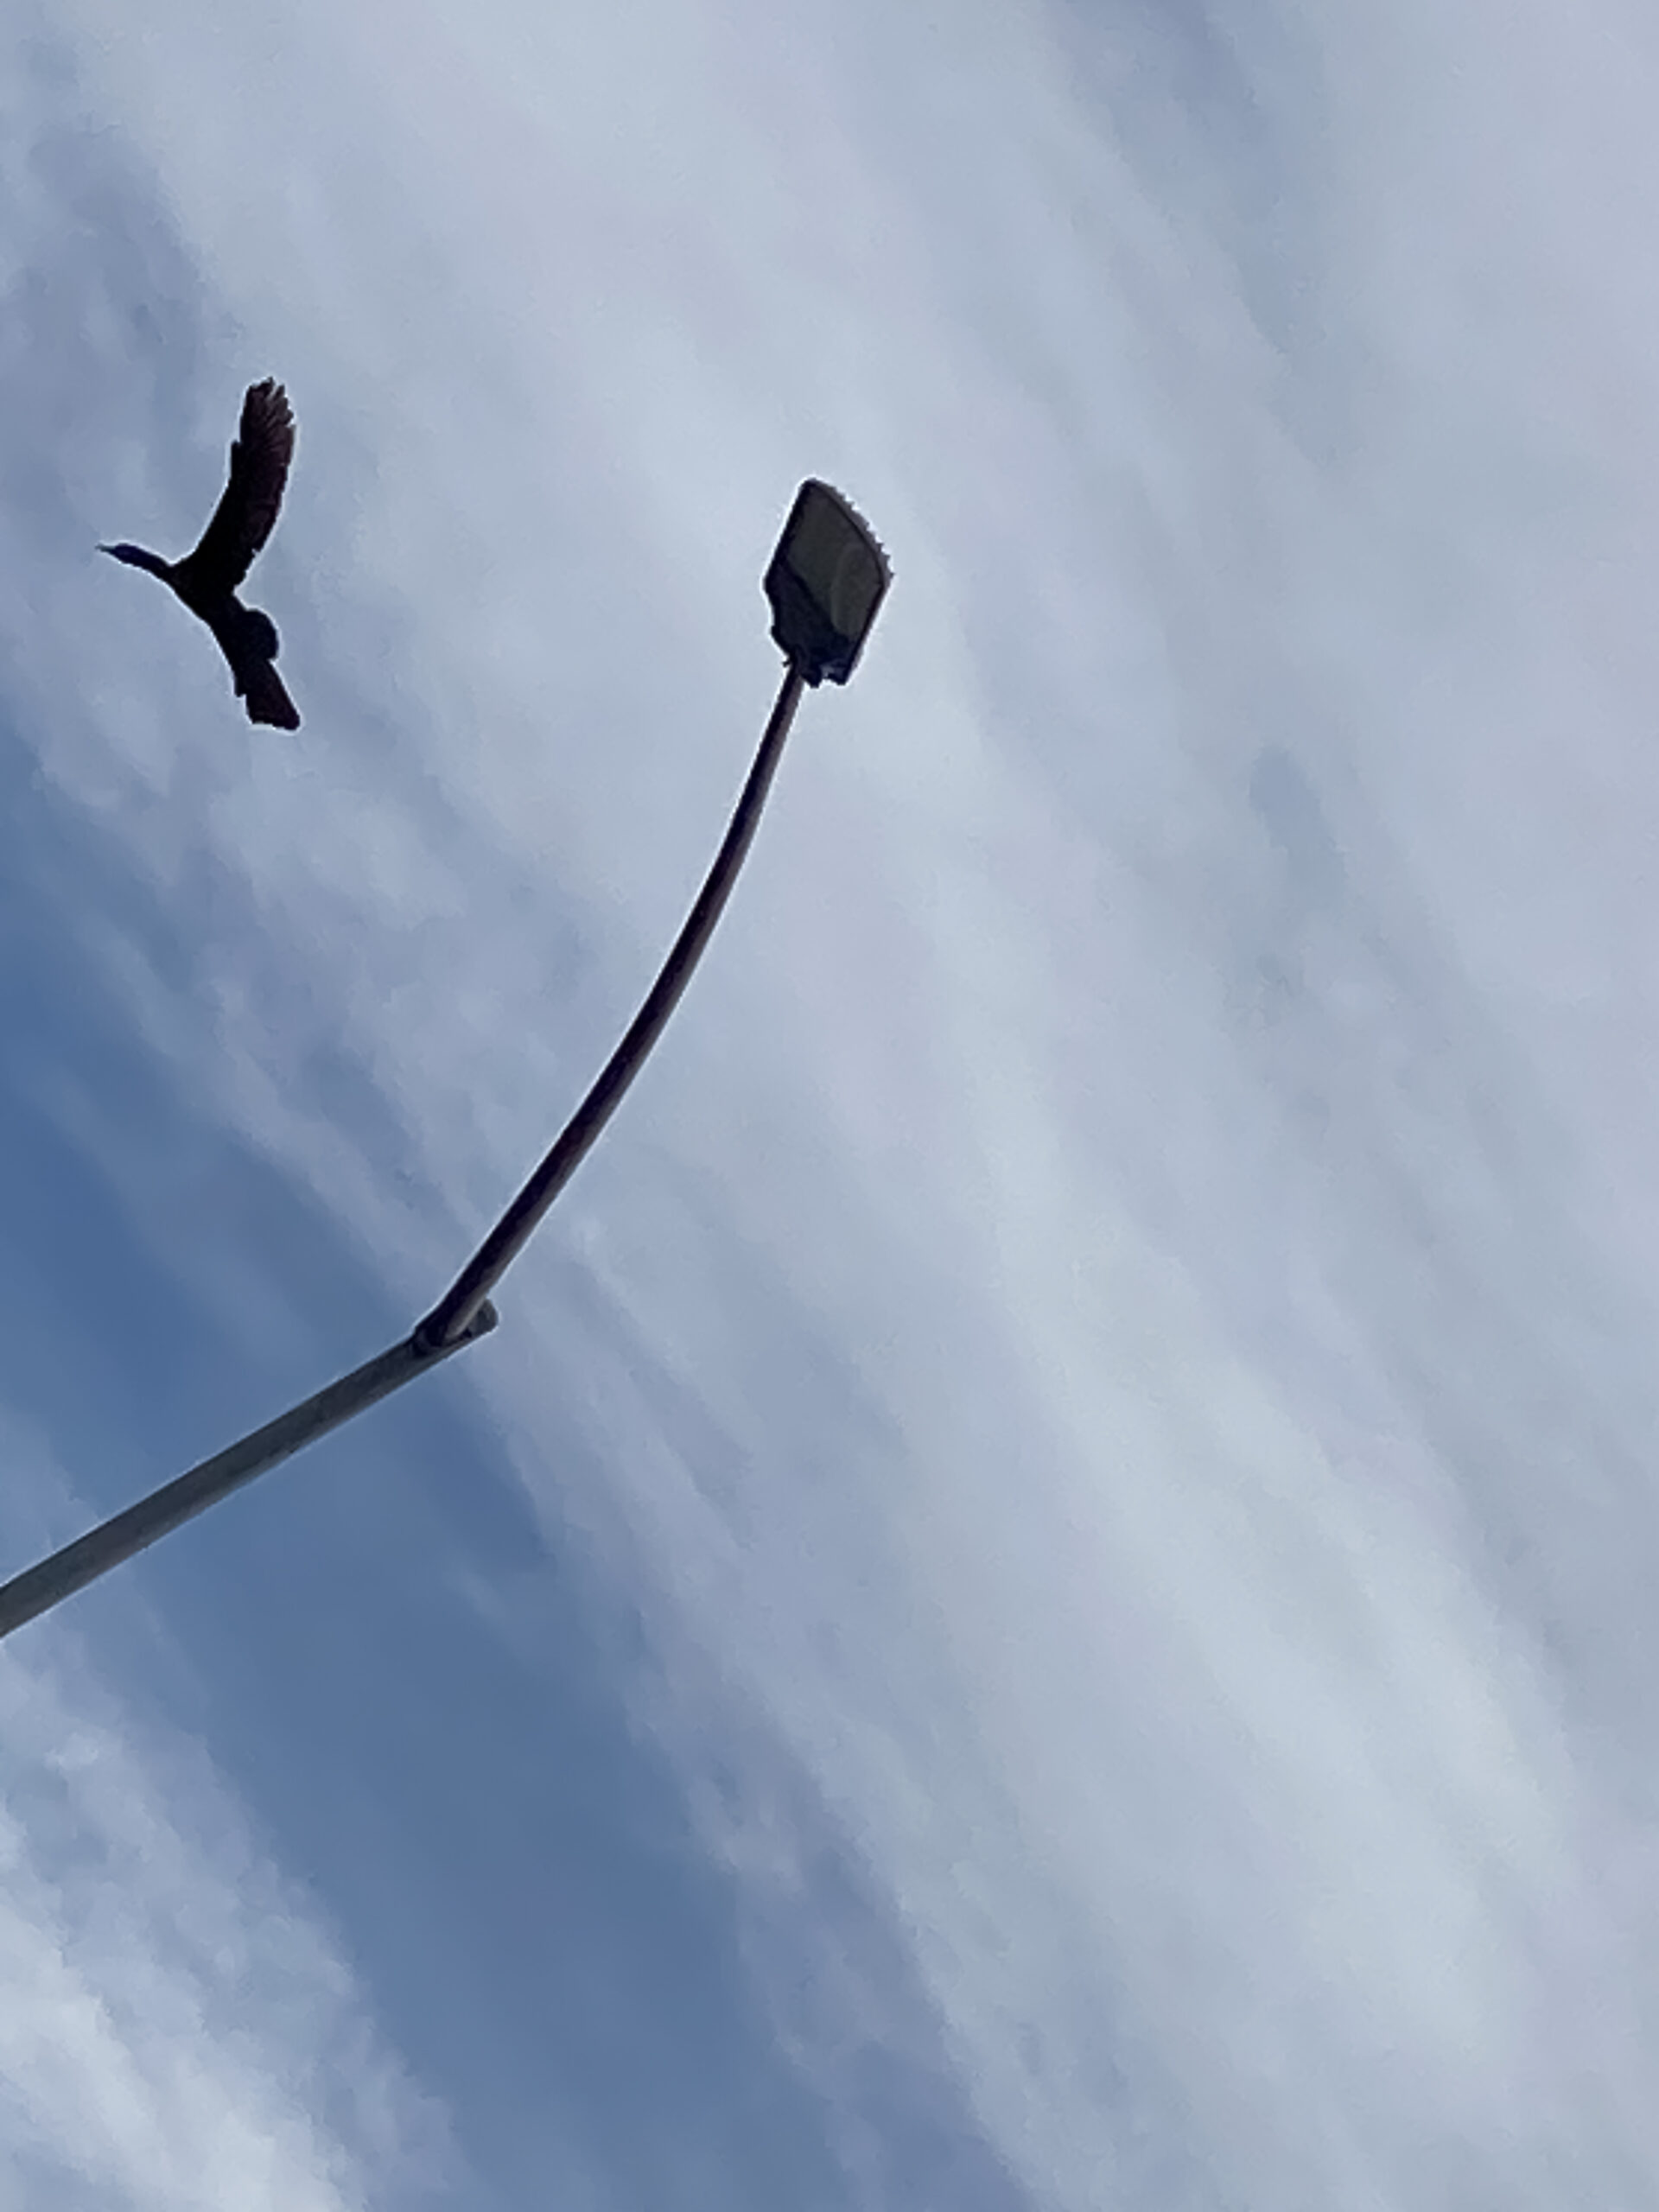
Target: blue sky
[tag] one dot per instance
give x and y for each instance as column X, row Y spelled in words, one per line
column 1043, row 1599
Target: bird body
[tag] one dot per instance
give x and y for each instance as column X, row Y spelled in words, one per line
column 207, row 577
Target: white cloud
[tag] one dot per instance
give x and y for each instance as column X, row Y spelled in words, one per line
column 1209, row 1582
column 178, row 2028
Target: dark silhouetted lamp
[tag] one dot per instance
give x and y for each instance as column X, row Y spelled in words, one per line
column 826, row 580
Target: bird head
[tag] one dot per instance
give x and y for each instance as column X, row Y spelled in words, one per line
column 137, row 557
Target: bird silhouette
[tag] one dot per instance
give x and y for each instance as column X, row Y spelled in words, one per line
column 207, row 578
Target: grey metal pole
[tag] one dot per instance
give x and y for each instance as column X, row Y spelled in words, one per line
column 39, row 1588
column 464, row 1313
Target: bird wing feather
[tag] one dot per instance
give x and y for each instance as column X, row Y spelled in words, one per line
column 246, row 513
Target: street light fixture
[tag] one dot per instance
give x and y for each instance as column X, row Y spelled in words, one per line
column 825, row 581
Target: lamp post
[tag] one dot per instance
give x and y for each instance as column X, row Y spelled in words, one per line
column 826, row 580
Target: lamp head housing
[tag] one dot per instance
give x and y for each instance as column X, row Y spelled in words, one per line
column 827, row 578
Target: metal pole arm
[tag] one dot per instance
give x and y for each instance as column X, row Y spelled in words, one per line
column 450, row 1317
column 465, row 1313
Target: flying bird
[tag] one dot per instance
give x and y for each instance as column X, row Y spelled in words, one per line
column 206, row 579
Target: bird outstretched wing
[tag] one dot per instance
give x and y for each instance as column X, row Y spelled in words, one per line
column 246, row 513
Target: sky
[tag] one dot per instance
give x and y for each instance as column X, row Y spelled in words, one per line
column 1043, row 1599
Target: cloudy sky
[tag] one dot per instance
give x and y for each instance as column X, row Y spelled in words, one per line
column 1045, row 1596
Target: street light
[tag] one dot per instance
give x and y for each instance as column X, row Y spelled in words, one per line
column 825, row 581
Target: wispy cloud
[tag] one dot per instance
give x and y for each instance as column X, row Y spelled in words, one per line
column 179, row 2027
column 1111, row 1352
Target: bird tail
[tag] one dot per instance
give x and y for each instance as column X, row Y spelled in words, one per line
column 266, row 696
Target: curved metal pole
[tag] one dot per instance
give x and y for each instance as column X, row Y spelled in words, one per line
column 464, row 1313
column 450, row 1317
